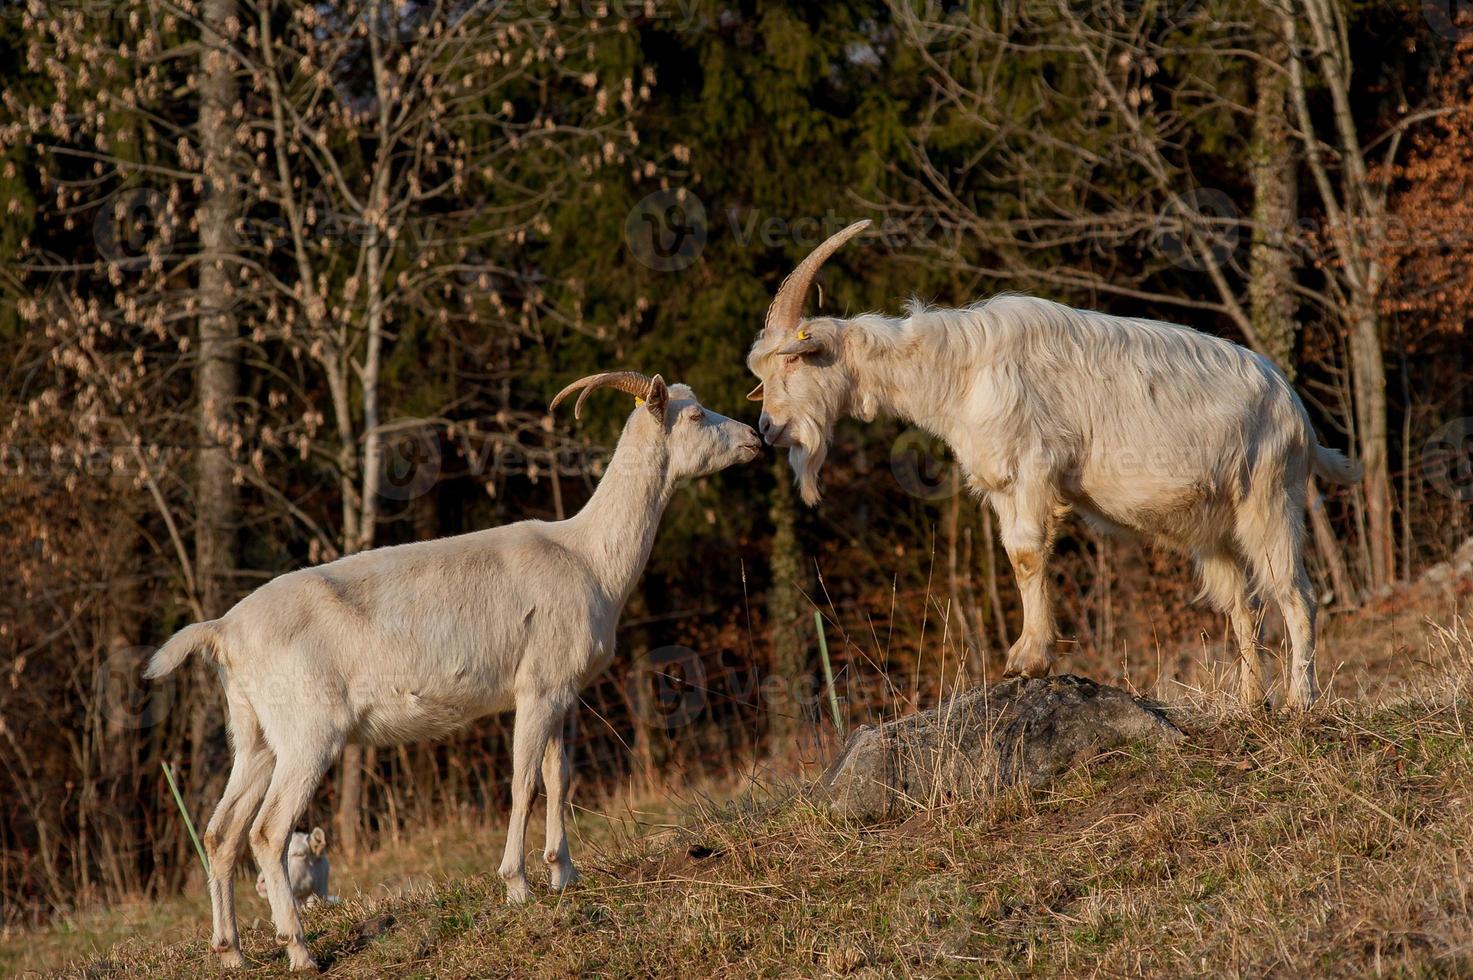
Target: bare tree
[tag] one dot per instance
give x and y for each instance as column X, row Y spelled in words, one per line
column 398, row 147
column 1092, row 159
column 217, row 377
column 1353, row 200
column 347, row 169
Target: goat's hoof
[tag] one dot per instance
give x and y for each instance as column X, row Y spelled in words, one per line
column 517, row 892
column 1259, row 707
column 560, row 879
column 1300, row 699
column 230, row 958
column 301, row 958
column 1028, row 670
column 1028, row 659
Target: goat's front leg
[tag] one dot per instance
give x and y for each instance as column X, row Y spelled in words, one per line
column 557, row 775
column 1026, row 517
column 537, row 717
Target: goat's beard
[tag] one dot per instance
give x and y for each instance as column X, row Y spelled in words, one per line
column 810, row 449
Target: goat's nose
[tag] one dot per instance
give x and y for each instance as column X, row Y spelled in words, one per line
column 764, row 424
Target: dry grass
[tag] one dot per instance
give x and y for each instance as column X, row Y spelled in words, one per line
column 1334, row 845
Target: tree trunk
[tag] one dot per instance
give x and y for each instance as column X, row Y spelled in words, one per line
column 1368, row 378
column 218, row 503
column 217, row 500
column 362, row 537
column 784, row 611
column 1271, row 297
column 1329, row 549
column 1357, row 220
column 1272, row 303
column 349, row 820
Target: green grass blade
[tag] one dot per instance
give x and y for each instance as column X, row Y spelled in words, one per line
column 828, row 673
column 188, row 823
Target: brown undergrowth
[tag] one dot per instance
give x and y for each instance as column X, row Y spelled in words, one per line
column 1336, row 844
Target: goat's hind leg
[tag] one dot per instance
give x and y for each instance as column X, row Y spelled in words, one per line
column 1273, row 537
column 225, row 837
column 557, row 774
column 300, row 765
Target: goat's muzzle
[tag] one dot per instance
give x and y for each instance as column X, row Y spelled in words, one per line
column 751, row 447
column 772, row 433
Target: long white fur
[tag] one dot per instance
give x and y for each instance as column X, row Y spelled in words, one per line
column 410, row 642
column 1138, row 425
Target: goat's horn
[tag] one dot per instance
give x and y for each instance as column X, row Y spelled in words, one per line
column 787, row 306
column 629, row 382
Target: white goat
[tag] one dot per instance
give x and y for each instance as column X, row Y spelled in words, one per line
column 1182, row 437
column 307, row 868
column 412, row 641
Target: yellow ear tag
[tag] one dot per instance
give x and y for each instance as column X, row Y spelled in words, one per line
column 803, row 334
column 638, row 401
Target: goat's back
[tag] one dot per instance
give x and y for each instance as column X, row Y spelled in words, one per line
column 412, row 641
column 1145, row 425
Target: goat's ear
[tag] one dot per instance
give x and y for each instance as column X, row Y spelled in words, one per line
column 317, row 840
column 658, row 398
column 755, row 395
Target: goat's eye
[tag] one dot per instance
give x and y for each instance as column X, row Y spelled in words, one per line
column 695, row 414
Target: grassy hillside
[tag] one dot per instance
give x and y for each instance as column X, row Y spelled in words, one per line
column 1338, row 844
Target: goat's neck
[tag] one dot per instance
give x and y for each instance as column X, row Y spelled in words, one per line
column 903, row 379
column 616, row 528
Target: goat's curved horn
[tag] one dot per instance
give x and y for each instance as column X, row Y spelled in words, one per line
column 629, row 382
column 787, row 306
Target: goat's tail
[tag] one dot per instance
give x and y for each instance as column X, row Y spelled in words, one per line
column 204, row 637
column 1332, row 465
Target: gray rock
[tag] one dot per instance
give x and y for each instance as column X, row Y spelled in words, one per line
column 1020, row 731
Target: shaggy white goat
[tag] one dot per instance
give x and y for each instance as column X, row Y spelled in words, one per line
column 307, row 869
column 413, row 641
column 1151, row 427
